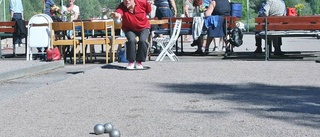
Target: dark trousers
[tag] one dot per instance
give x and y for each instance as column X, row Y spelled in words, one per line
column 15, row 17
column 276, row 42
column 139, row 54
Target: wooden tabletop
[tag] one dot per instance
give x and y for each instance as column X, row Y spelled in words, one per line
column 157, row 22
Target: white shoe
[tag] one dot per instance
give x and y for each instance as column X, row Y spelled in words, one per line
column 130, row 65
column 139, row 65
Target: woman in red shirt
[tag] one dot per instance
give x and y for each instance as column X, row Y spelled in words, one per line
column 135, row 23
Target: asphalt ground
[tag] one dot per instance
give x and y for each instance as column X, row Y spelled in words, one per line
column 197, row 96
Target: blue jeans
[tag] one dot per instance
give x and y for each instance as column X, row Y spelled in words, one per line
column 132, row 53
column 163, row 12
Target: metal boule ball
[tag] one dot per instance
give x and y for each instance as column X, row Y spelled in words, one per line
column 98, row 129
column 114, row 133
column 108, row 127
column 118, row 21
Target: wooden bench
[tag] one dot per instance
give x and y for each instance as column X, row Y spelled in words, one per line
column 286, row 26
column 6, row 31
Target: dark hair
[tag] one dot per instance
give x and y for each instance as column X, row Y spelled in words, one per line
column 197, row 2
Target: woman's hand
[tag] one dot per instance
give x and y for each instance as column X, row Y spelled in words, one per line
column 115, row 15
column 150, row 2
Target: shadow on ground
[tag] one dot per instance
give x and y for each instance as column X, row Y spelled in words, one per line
column 294, row 104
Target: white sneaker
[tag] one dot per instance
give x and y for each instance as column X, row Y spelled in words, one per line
column 130, row 65
column 139, row 65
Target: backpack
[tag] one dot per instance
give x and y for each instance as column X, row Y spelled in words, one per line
column 122, row 55
column 236, row 37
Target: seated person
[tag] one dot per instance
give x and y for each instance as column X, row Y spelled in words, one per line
column 271, row 8
column 216, row 31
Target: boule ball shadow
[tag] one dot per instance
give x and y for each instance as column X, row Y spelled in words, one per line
column 108, row 127
column 114, row 133
column 98, row 129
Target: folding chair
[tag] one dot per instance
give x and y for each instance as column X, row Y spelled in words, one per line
column 105, row 40
column 58, row 37
column 167, row 43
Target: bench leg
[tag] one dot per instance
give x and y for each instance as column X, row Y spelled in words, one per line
column 0, row 48
column 267, row 49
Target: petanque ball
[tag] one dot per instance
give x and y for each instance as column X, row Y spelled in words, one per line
column 98, row 129
column 117, row 21
column 114, row 133
column 108, row 127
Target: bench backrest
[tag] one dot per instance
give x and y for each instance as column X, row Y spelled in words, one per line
column 164, row 26
column 8, row 26
column 231, row 21
column 283, row 23
column 187, row 21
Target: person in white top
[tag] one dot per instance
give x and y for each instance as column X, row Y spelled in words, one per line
column 70, row 11
column 188, row 8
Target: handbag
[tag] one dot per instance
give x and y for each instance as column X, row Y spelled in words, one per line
column 291, row 12
column 53, row 54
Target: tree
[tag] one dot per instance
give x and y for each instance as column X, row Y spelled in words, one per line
column 89, row 8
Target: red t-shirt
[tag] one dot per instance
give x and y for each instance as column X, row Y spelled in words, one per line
column 137, row 20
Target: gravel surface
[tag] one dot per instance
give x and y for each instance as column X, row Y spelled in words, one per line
column 197, row 96
column 178, row 99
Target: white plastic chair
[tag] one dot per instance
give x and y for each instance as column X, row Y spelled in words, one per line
column 167, row 43
column 38, row 35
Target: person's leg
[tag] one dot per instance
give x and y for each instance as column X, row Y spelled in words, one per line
column 276, row 45
column 204, row 41
column 221, row 43
column 198, row 42
column 16, row 40
column 208, row 42
column 258, row 43
column 142, row 46
column 217, row 32
column 131, row 48
column 216, row 43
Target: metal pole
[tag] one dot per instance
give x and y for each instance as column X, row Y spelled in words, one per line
column 4, row 10
column 267, row 51
column 247, row 15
